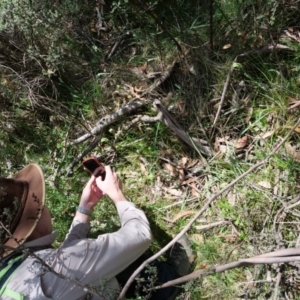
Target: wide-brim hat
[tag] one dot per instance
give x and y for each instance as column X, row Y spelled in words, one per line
column 22, row 200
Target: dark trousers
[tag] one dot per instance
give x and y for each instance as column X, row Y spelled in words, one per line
column 163, row 272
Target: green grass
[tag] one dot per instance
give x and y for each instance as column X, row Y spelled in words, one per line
column 138, row 152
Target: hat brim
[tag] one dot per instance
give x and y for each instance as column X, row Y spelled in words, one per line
column 34, row 205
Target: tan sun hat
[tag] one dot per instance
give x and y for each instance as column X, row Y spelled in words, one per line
column 22, row 200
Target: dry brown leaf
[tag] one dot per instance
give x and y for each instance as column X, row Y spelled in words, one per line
column 242, row 143
column 183, row 214
column 216, row 146
column 194, row 191
column 291, row 151
column 198, row 238
column 294, row 103
column 221, row 144
column 216, row 106
column 143, row 68
column 181, row 175
column 170, row 168
column 173, row 192
column 188, row 181
column 266, row 134
column 192, row 163
column 184, row 161
column 167, row 153
column 289, row 127
column 265, row 184
column 201, row 266
column 143, row 169
column 231, row 197
column 249, row 114
column 230, row 238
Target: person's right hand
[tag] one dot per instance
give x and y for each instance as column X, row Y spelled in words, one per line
column 111, row 185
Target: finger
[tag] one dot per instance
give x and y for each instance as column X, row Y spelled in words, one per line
column 108, row 170
column 94, row 185
column 100, row 171
column 90, row 182
column 97, row 190
column 99, row 182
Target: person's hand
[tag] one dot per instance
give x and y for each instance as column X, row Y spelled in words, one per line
column 91, row 194
column 111, row 185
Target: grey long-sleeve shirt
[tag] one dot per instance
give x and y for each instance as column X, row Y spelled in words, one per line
column 92, row 262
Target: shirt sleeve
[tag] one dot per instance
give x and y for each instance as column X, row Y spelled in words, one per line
column 98, row 261
column 119, row 249
column 78, row 230
column 93, row 262
column 116, row 250
column 127, row 212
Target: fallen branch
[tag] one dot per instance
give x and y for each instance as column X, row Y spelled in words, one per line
column 212, row 225
column 237, row 264
column 204, row 208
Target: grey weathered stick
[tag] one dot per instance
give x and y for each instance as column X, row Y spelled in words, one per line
column 237, row 264
column 212, row 225
column 278, row 279
column 278, row 256
column 207, row 204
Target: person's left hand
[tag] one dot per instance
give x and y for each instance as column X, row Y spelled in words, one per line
column 91, row 194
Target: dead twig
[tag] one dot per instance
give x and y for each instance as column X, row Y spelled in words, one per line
column 278, row 278
column 117, row 44
column 178, row 203
column 268, row 47
column 212, row 225
column 204, row 208
column 146, row 9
